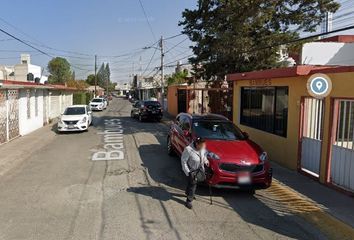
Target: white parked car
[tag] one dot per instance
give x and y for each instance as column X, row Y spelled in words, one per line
column 75, row 118
column 98, row 104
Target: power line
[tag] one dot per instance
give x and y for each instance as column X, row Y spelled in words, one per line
column 174, row 36
column 147, row 20
column 300, row 39
column 24, row 42
column 19, row 30
column 148, row 65
column 173, row 47
column 179, row 59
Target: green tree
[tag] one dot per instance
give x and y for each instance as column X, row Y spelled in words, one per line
column 177, row 78
column 90, row 79
column 59, row 69
column 108, row 73
column 79, row 84
column 236, row 36
column 101, row 76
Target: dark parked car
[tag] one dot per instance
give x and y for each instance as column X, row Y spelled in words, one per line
column 144, row 110
column 235, row 160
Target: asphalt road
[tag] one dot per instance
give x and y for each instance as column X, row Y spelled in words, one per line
column 60, row 193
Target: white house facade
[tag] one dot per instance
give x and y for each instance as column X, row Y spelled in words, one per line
column 25, row 107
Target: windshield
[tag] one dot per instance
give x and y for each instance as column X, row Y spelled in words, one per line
column 215, row 130
column 97, row 100
column 75, row 111
column 152, row 103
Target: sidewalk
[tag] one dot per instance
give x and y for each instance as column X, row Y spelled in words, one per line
column 18, row 150
column 333, row 202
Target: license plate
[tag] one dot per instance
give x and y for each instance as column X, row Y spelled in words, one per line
column 244, row 179
column 153, row 111
column 71, row 126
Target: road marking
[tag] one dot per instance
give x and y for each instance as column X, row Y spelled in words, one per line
column 309, row 210
column 113, row 141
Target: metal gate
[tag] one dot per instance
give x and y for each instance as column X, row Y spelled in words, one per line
column 3, row 117
column 311, row 137
column 14, row 130
column 9, row 115
column 342, row 152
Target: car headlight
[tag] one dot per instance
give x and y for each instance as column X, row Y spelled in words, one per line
column 263, row 157
column 83, row 120
column 213, row 156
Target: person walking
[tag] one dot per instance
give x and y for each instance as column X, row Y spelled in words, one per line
column 193, row 159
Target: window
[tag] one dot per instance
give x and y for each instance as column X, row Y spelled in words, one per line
column 184, row 123
column 75, row 111
column 217, row 130
column 99, row 100
column 152, row 103
column 265, row 108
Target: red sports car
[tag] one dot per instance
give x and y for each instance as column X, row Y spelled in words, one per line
column 235, row 160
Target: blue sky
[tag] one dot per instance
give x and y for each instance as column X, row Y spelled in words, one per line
column 105, row 28
column 102, row 27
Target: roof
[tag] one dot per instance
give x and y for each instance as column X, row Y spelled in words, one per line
column 20, row 84
column 339, row 38
column 302, row 70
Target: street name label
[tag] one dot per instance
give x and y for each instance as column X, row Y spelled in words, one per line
column 113, row 142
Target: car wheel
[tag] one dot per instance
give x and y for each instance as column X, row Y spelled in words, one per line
column 170, row 150
column 131, row 114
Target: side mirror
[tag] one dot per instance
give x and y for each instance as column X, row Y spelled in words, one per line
column 246, row 135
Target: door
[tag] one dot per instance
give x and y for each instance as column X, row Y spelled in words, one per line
column 341, row 167
column 184, row 137
column 311, row 136
column 182, row 100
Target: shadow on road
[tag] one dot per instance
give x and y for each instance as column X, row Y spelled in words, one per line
column 166, row 172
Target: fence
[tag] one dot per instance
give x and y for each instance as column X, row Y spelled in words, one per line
column 24, row 110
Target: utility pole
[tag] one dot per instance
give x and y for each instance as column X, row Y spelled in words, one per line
column 95, row 76
column 327, row 23
column 162, row 75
